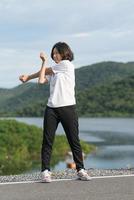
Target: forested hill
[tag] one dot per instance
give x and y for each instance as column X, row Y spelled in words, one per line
column 103, row 72
column 114, row 99
column 102, row 89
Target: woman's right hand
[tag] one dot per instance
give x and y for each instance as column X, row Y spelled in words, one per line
column 24, row 78
column 43, row 57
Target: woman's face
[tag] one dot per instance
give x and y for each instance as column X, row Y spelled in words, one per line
column 56, row 56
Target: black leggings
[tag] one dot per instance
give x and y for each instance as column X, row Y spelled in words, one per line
column 68, row 117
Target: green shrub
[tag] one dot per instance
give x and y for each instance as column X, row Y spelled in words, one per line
column 20, row 146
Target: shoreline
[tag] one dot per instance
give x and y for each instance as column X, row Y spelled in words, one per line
column 65, row 174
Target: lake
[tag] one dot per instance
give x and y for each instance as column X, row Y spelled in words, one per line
column 114, row 138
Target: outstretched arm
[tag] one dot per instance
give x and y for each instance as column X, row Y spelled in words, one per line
column 25, row 78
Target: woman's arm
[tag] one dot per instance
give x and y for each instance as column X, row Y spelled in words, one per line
column 25, row 78
column 42, row 79
column 41, row 74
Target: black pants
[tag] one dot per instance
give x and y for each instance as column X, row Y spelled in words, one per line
column 68, row 117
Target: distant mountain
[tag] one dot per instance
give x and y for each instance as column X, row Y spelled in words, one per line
column 23, row 97
column 113, row 99
column 103, row 72
column 98, row 92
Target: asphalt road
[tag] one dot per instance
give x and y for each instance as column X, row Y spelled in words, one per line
column 119, row 188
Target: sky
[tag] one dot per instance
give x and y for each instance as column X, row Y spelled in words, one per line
column 96, row 30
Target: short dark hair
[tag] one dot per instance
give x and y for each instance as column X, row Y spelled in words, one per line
column 64, row 50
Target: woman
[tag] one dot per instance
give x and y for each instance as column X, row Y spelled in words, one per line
column 61, row 107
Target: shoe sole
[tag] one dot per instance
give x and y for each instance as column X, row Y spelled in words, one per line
column 84, row 179
column 46, row 181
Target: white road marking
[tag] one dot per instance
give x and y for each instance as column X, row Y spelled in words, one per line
column 114, row 176
column 57, row 180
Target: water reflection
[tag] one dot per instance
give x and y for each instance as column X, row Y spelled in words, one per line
column 115, row 150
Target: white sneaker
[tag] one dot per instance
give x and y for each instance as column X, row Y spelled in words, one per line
column 46, row 176
column 83, row 175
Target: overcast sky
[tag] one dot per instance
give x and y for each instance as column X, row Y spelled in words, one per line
column 96, row 30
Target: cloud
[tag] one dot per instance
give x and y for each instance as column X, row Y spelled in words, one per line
column 96, row 30
column 80, row 35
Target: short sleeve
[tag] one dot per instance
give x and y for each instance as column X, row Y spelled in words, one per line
column 62, row 67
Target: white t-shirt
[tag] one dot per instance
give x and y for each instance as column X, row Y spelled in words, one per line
column 62, row 85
